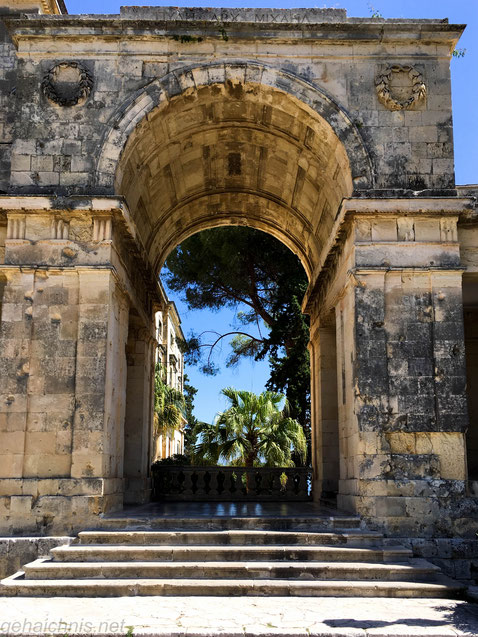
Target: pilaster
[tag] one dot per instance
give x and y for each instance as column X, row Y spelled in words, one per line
column 63, row 370
column 401, row 382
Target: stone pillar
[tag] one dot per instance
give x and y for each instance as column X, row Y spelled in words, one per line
column 468, row 239
column 63, row 373
column 100, row 377
column 325, row 436
column 316, row 451
column 62, row 342
column 402, row 401
column 329, row 410
column 471, row 343
column 139, row 413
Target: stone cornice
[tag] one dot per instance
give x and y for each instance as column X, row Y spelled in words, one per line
column 94, row 206
column 422, row 207
column 301, row 23
column 402, row 207
column 38, row 204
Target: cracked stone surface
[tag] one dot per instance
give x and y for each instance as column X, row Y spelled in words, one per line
column 209, row 616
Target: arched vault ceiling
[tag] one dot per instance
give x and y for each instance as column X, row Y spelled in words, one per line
column 241, row 154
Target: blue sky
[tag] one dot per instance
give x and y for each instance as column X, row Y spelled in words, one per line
column 465, row 99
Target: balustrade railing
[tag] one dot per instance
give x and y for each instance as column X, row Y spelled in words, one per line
column 183, row 483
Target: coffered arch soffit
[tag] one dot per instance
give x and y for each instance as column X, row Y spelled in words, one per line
column 236, row 144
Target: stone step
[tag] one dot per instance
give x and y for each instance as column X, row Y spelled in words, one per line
column 415, row 570
column 229, row 537
column 218, row 523
column 15, row 585
column 190, row 553
column 224, row 556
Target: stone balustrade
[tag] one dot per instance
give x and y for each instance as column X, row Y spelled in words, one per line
column 182, row 483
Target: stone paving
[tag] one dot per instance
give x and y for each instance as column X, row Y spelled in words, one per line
column 234, row 617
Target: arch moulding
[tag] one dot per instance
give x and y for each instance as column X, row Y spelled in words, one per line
column 190, row 79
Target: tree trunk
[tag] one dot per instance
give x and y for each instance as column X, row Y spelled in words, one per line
column 249, row 464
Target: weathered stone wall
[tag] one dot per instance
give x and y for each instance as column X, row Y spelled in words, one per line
column 471, row 349
column 325, row 434
column 402, row 402
column 410, row 391
column 15, row 552
column 63, row 333
column 138, row 411
column 468, row 238
column 8, row 71
column 56, row 152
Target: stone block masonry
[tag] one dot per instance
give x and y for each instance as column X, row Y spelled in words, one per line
column 334, row 135
column 53, row 152
column 63, row 335
column 17, row 551
column 402, row 403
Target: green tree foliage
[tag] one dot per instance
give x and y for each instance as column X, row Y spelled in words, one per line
column 254, row 430
column 169, row 405
column 264, row 282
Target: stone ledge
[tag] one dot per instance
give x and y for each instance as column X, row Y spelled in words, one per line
column 457, row 557
column 314, row 24
column 53, row 486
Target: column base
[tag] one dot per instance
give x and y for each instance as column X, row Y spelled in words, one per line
column 412, row 508
column 56, row 506
column 137, row 490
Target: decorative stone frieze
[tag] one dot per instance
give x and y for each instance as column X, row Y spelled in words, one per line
column 406, row 92
column 16, row 227
column 67, row 84
column 102, row 228
column 60, row 229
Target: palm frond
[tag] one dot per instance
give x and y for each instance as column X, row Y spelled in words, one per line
column 254, row 429
column 169, row 406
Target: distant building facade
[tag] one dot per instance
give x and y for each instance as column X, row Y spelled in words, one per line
column 171, row 360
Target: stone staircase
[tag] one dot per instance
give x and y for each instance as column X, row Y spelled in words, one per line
column 308, row 556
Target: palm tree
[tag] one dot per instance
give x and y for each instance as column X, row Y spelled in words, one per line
column 169, row 406
column 254, row 429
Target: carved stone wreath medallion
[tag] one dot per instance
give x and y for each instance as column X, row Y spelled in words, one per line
column 67, row 83
column 400, row 88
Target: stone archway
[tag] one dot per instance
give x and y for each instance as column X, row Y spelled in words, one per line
column 187, row 81
column 236, row 152
column 235, row 143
